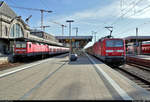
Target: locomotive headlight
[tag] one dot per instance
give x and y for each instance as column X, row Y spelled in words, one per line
column 109, row 50
column 120, row 50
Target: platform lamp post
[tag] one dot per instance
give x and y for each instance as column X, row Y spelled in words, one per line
column 77, row 29
column 70, row 21
column 137, row 43
column 94, row 34
column 76, row 42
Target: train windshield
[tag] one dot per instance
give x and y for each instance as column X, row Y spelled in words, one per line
column 21, row 45
column 114, row 43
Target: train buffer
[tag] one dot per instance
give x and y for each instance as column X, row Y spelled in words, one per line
column 57, row 78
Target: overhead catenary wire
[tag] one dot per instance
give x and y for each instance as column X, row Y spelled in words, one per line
column 44, row 4
column 102, row 27
column 116, row 21
column 140, row 10
column 99, row 28
column 148, row 22
column 137, row 13
column 12, row 1
column 130, row 4
column 35, row 9
column 62, row 25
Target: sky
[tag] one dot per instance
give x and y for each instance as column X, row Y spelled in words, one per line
column 88, row 16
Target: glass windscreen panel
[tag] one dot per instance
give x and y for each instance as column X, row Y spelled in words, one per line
column 114, row 43
column 18, row 45
column 21, row 45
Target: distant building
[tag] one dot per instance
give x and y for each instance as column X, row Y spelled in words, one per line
column 43, row 35
column 11, row 27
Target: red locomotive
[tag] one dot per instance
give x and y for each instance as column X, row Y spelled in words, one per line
column 109, row 50
column 25, row 49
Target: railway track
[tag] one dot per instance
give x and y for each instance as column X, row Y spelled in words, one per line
column 139, row 66
column 137, row 75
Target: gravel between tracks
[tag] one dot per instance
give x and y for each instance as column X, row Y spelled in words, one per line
column 138, row 72
column 9, row 65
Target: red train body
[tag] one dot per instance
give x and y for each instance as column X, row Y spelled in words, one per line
column 31, row 49
column 110, row 50
column 145, row 48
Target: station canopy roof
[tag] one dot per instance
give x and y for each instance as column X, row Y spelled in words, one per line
column 37, row 39
column 139, row 38
column 83, row 40
column 6, row 10
column 75, row 37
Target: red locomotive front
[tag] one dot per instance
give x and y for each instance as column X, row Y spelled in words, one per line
column 114, row 50
column 20, row 48
column 110, row 50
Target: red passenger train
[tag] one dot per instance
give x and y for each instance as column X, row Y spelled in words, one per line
column 145, row 48
column 26, row 49
column 110, row 50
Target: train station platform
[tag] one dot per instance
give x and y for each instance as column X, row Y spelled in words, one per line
column 3, row 59
column 59, row 79
column 143, row 60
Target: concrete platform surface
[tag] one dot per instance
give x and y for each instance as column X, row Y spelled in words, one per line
column 133, row 90
column 3, row 60
column 58, row 79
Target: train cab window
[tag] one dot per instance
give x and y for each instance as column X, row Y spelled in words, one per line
column 18, row 45
column 114, row 43
column 118, row 43
column 23, row 45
